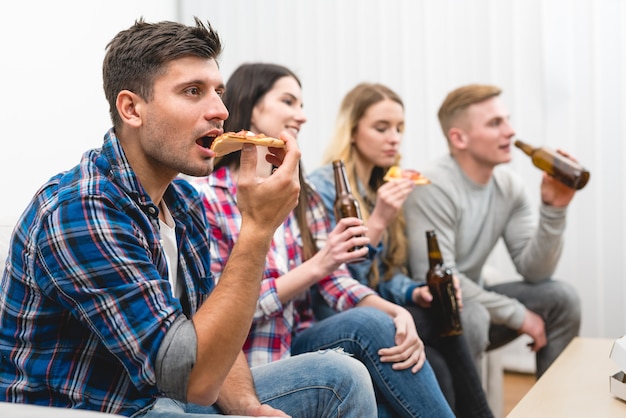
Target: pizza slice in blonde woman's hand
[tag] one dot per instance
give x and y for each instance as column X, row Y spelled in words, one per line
column 395, row 173
column 233, row 141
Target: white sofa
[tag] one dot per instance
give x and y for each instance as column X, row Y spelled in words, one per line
column 14, row 410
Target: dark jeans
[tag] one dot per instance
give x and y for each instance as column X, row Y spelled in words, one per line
column 453, row 364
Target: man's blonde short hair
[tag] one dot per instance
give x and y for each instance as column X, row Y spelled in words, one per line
column 458, row 100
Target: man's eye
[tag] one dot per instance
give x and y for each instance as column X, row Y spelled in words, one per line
column 194, row 91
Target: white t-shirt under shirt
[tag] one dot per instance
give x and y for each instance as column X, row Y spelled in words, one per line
column 170, row 247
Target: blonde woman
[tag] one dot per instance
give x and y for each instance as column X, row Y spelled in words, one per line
column 367, row 137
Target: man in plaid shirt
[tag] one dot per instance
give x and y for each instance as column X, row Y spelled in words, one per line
column 107, row 299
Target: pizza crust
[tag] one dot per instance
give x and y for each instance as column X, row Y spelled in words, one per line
column 233, row 141
column 395, row 173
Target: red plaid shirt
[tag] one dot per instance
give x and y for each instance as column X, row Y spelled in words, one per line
column 274, row 323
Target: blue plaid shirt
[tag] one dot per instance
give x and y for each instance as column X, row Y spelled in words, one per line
column 85, row 299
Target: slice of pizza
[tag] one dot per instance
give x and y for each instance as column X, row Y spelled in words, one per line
column 395, row 173
column 233, row 141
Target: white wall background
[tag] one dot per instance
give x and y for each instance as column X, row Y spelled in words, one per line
column 561, row 63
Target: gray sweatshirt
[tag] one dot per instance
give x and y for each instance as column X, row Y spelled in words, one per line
column 469, row 218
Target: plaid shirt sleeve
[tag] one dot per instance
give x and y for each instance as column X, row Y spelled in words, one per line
column 340, row 290
column 224, row 219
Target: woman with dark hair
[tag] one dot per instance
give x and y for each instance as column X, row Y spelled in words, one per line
column 307, row 252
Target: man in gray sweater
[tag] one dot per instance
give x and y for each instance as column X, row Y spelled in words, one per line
column 474, row 201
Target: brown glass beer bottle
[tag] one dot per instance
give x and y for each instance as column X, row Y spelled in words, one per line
column 346, row 204
column 441, row 286
column 565, row 170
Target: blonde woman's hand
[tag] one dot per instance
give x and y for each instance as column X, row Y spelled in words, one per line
column 422, row 297
column 389, row 199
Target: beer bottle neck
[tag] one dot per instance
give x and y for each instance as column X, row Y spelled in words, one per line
column 434, row 259
column 342, row 186
column 434, row 254
column 528, row 149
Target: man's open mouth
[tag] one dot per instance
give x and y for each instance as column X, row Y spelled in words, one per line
column 205, row 141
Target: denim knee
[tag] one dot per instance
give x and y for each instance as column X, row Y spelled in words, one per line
column 374, row 322
column 351, row 380
column 326, row 383
column 348, row 368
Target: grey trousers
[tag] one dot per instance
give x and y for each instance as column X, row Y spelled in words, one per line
column 555, row 301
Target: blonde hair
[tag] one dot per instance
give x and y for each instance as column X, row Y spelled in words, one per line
column 458, row 100
column 352, row 109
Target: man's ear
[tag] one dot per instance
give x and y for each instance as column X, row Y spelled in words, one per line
column 457, row 138
column 128, row 106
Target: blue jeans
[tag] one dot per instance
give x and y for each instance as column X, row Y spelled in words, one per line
column 555, row 301
column 313, row 385
column 362, row 332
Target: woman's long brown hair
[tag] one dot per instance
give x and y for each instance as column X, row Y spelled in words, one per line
column 244, row 89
